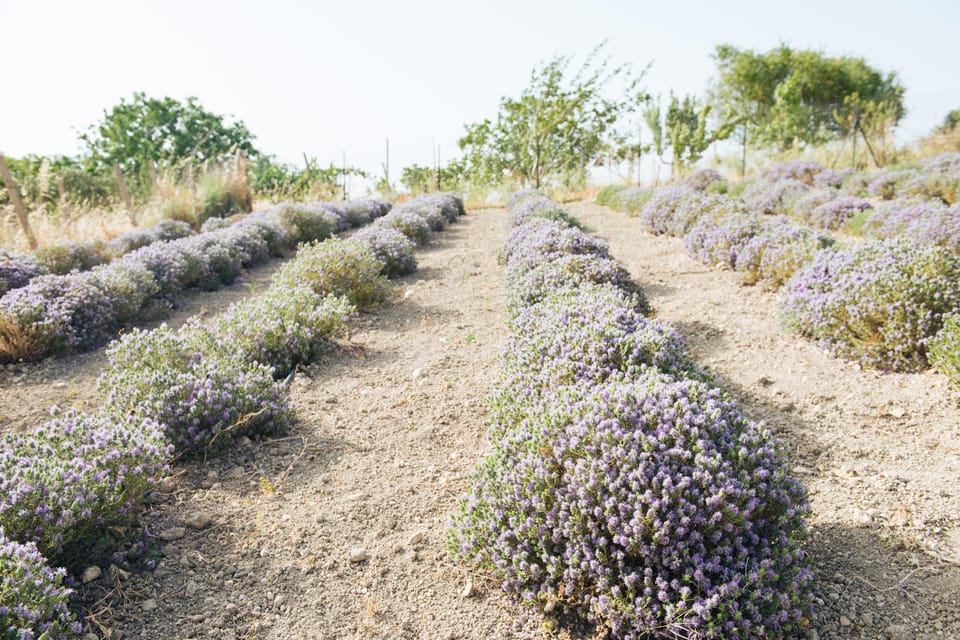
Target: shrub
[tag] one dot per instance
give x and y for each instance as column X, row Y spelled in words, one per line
column 717, row 241
column 280, row 328
column 58, row 313
column 526, row 286
column 197, row 395
column 776, row 252
column 71, row 255
column 886, row 184
column 632, row 201
column 832, row 178
column 837, row 212
column 307, row 222
column 63, row 485
column 391, row 247
column 540, row 206
column 773, row 198
column 338, row 267
column 701, row 179
column 16, row 270
column 675, row 210
column 214, row 224
column 517, row 197
column 876, row 302
column 130, row 288
column 804, row 171
column 449, row 204
column 653, row 508
column 33, row 600
column 409, row 224
column 541, row 240
column 609, row 196
column 945, row 349
column 893, row 217
column 804, row 205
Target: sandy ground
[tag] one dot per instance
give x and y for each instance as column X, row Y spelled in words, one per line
column 337, row 530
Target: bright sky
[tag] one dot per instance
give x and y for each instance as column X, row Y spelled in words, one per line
column 326, row 77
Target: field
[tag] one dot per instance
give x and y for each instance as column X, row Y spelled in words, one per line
column 338, row 526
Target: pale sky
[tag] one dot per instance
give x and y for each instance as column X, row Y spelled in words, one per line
column 328, row 77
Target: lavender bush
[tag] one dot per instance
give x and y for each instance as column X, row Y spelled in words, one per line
column 776, row 252
column 341, row 268
column 390, row 247
column 517, row 197
column 718, row 240
column 877, row 302
column 944, row 349
column 63, row 485
column 408, row 223
column 280, row 328
column 17, row 270
column 199, row 396
column 773, row 198
column 632, row 201
column 832, row 178
column 837, row 212
column 539, row 206
column 652, row 508
column 804, row 171
column 891, row 218
column 34, row 603
column 70, row 255
column 307, row 222
column 701, row 179
column 137, row 238
column 541, row 240
column 675, row 210
column 888, row 183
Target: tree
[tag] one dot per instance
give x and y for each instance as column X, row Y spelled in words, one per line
column 558, row 126
column 166, row 132
column 685, row 130
column 786, row 98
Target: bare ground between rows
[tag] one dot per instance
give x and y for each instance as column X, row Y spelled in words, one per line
column 880, row 453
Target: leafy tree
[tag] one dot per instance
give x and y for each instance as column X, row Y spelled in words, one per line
column 685, row 130
column 950, row 122
column 558, row 126
column 278, row 181
column 786, row 98
column 419, row 179
column 165, row 131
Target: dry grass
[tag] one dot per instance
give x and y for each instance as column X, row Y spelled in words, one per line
column 19, row 343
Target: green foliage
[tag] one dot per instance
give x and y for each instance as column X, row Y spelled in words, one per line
column 950, row 122
column 418, row 179
column 685, row 129
column 277, row 181
column 609, row 196
column 221, row 195
column 556, row 129
column 944, row 349
column 166, row 132
column 791, row 98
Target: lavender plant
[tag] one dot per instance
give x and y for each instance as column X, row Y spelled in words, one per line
column 832, row 178
column 890, row 219
column 408, row 223
column 341, row 268
column 390, row 247
column 837, row 212
column 65, row 484
column 701, row 179
column 34, row 603
column 804, row 171
column 539, row 206
column 877, row 302
column 307, row 222
column 70, row 255
column 773, row 198
column 17, row 270
column 201, row 397
column 540, row 240
column 632, row 201
column 652, row 508
column 944, row 349
column 718, row 240
column 776, row 252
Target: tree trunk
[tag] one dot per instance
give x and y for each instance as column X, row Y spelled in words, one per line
column 17, row 204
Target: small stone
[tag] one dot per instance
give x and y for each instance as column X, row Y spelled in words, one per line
column 764, row 381
column 149, row 605
column 897, row 632
column 173, row 533
column 415, row 538
column 91, row 573
column 357, row 554
column 467, row 588
column 866, row 620
column 845, row 621
column 198, row 520
column 116, row 573
column 898, row 412
column 417, row 374
column 91, row 636
column 862, row 518
column 192, row 587
column 234, row 473
column 279, row 601
column 813, row 634
column 245, row 441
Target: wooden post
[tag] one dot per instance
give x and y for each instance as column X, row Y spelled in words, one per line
column 17, row 203
column 128, row 203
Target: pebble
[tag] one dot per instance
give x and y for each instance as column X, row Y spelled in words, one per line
column 898, row 632
column 866, row 620
column 357, row 554
column 467, row 588
column 198, row 520
column 813, row 634
column 415, row 538
column 149, row 605
column 91, row 573
column 845, row 621
column 417, row 374
column 173, row 533
column 114, row 572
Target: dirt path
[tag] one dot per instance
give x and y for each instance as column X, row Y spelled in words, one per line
column 880, row 453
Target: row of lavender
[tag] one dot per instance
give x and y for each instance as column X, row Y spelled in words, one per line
column 881, row 302
column 68, row 486
column 83, row 309
column 624, row 488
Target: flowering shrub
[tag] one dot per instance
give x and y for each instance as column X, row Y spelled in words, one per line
column 163, row 230
column 195, row 392
column 33, row 600
column 945, row 349
column 214, row 224
column 718, row 240
column 54, row 314
column 408, row 223
column 940, row 228
column 804, row 205
column 675, row 210
column 777, row 251
column 390, row 247
column 450, row 204
column 944, row 187
column 877, row 302
column 804, row 171
column 517, row 197
column 338, row 267
column 17, row 269
column 541, row 240
column 891, row 218
column 837, row 212
column 701, row 179
column 652, row 507
column 886, row 184
column 526, row 286
column 431, row 214
column 71, row 255
column 609, row 196
column 307, row 222
column 581, row 336
column 280, row 328
column 832, row 178
column 62, row 485
column 130, row 287
column 773, row 198
column 632, row 201
column 539, row 206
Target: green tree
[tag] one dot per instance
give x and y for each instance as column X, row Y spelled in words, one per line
column 558, row 127
column 686, row 130
column 787, row 98
column 166, row 132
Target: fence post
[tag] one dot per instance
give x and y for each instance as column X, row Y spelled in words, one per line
column 17, row 203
